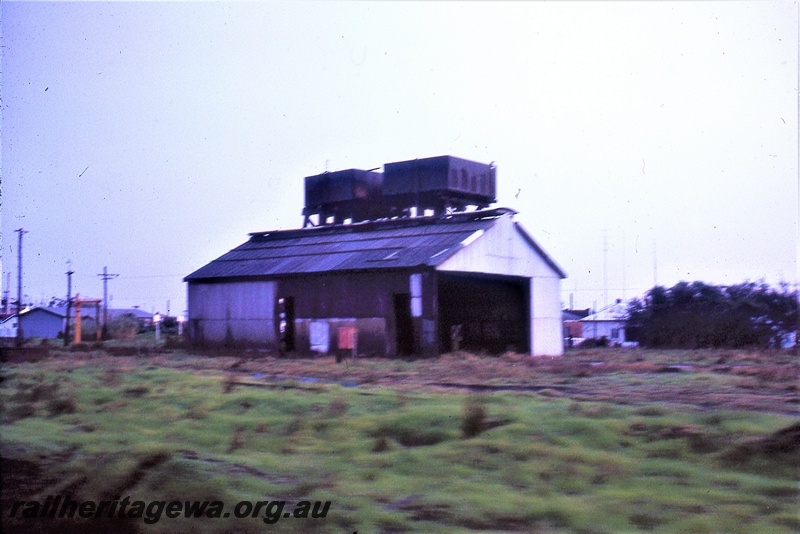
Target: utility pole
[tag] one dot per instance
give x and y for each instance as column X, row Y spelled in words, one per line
column 8, row 293
column 655, row 264
column 20, row 336
column 605, row 270
column 106, row 277
column 70, row 272
column 624, row 268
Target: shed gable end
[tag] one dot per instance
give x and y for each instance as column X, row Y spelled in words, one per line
column 501, row 249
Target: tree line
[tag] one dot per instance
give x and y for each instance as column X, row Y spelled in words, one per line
column 698, row 315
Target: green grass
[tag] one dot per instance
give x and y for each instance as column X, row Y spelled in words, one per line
column 393, row 461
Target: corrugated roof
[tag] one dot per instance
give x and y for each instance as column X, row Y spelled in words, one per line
column 53, row 310
column 88, row 311
column 390, row 244
column 615, row 312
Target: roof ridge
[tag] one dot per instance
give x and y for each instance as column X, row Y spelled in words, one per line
column 399, row 222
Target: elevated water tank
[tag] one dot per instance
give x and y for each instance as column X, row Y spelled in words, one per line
column 349, row 194
column 442, row 184
column 451, row 178
column 341, row 186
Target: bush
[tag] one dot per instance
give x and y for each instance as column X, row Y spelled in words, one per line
column 381, row 444
column 63, row 405
column 474, row 419
column 417, row 428
column 20, row 411
column 698, row 315
column 123, row 327
column 88, row 332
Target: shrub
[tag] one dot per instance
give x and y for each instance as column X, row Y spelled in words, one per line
column 110, row 378
column 62, row 406
column 474, row 419
column 237, row 440
column 136, row 391
column 337, row 407
column 381, row 444
column 20, row 411
column 197, row 412
column 88, row 332
column 123, row 327
column 35, row 391
column 415, row 429
column 229, row 383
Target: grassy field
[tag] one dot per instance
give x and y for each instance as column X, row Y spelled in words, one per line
column 597, row 441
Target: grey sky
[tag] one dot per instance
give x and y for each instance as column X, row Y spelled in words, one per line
column 152, row 137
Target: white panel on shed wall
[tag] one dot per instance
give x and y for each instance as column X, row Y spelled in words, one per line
column 415, row 283
column 546, row 326
column 548, row 340
column 320, row 337
column 547, row 300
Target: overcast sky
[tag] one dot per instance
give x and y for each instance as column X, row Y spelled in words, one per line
column 152, row 137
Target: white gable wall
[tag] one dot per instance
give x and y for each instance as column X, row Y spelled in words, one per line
column 502, row 250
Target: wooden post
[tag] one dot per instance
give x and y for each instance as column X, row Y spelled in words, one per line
column 77, row 319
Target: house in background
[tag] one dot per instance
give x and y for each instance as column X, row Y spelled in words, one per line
column 573, row 327
column 42, row 321
column 609, row 322
column 408, row 284
column 8, row 326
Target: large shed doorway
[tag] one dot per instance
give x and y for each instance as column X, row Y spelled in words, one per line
column 404, row 324
column 492, row 311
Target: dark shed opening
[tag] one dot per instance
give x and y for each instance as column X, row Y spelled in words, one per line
column 404, row 324
column 286, row 324
column 492, row 312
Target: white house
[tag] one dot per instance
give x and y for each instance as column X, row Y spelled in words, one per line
column 609, row 322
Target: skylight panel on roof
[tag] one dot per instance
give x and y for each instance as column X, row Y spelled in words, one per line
column 471, row 239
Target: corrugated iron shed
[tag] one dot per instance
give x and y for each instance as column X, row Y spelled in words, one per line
column 375, row 245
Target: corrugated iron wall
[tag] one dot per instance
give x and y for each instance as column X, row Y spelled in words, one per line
column 233, row 313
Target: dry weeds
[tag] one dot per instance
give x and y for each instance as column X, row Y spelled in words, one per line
column 727, row 379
